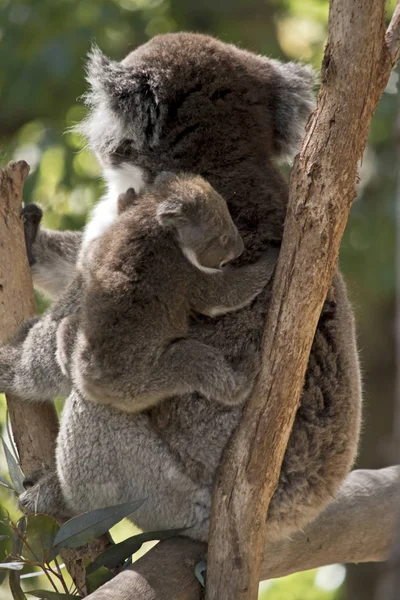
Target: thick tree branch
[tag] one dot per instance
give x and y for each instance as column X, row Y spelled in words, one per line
column 357, row 527
column 34, row 426
column 355, row 71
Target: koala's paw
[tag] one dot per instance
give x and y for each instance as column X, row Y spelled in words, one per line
column 28, row 502
column 202, row 511
column 43, row 495
column 7, row 364
column 32, row 215
column 246, row 371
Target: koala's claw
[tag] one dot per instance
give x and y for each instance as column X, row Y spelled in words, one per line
column 32, row 215
column 27, row 502
column 202, row 511
column 43, row 495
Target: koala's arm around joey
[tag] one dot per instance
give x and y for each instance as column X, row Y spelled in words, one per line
column 232, row 288
column 52, row 254
column 28, row 364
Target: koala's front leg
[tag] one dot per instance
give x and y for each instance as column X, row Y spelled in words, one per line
column 234, row 287
column 43, row 495
column 51, row 254
column 28, row 365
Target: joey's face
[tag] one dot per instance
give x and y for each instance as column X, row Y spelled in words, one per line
column 209, row 238
column 199, row 216
column 210, row 250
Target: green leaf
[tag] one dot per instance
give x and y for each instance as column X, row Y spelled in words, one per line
column 18, row 537
column 48, row 595
column 14, row 579
column 15, row 586
column 14, row 469
column 200, row 571
column 115, row 555
column 12, row 566
column 11, row 437
column 40, row 534
column 97, row 579
column 6, row 484
column 79, row 530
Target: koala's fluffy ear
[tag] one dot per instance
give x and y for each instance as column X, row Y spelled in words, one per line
column 123, row 103
column 293, row 101
column 170, row 214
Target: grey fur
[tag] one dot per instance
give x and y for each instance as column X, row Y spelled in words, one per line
column 132, row 347
column 218, row 110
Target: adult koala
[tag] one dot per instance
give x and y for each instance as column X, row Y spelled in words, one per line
column 187, row 102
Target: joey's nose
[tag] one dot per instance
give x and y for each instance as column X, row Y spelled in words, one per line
column 235, row 252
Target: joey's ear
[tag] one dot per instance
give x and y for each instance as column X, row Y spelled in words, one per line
column 293, row 101
column 170, row 214
column 123, row 103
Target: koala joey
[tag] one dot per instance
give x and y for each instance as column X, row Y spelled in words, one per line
column 162, row 260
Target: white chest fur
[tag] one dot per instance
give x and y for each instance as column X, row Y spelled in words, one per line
column 118, row 180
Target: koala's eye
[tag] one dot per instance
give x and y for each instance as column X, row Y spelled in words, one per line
column 224, row 239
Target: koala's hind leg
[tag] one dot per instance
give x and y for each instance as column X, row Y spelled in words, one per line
column 43, row 495
column 107, row 457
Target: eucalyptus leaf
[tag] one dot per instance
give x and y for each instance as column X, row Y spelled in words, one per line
column 49, row 595
column 79, row 530
column 14, row 469
column 11, row 437
column 115, row 555
column 97, row 579
column 40, row 534
column 18, row 537
column 12, row 566
column 128, row 563
column 6, row 484
column 15, row 585
column 199, row 571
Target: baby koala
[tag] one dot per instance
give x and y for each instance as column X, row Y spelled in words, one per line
column 160, row 262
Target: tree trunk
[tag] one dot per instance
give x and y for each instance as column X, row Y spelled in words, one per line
column 34, row 426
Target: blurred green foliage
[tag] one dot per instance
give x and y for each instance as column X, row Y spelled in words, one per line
column 42, row 50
